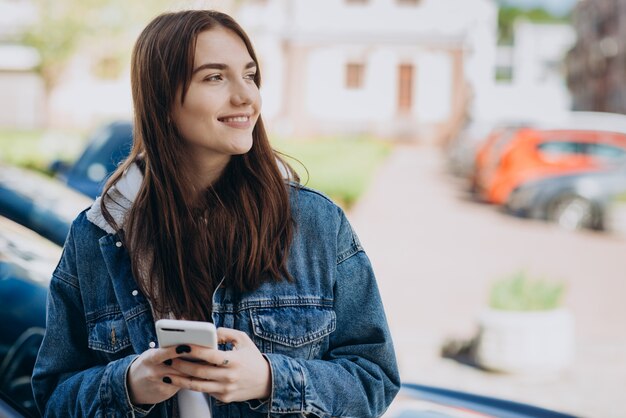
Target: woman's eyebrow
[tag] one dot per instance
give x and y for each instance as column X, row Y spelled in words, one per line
column 218, row 66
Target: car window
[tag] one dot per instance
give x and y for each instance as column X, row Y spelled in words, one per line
column 106, row 149
column 605, row 151
column 40, row 203
column 504, row 139
column 560, row 148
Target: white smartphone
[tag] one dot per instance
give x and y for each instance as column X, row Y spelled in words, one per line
column 177, row 331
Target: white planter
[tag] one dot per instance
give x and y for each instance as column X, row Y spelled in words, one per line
column 525, row 342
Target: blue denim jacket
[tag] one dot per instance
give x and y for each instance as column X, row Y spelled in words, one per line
column 325, row 335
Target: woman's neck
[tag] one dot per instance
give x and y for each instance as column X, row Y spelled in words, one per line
column 205, row 173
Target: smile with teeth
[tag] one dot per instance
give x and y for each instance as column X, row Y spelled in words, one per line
column 235, row 119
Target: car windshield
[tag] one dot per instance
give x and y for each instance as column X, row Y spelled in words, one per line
column 28, row 250
column 46, row 195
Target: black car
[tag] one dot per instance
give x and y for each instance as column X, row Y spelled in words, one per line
column 26, row 264
column 40, row 203
column 574, row 201
column 420, row 401
column 105, row 149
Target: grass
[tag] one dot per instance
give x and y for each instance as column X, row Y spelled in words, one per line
column 620, row 198
column 340, row 167
column 520, row 293
column 35, row 149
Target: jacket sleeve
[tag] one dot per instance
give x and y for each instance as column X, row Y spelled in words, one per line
column 358, row 376
column 67, row 380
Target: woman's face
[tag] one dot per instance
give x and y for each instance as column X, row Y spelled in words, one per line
column 222, row 104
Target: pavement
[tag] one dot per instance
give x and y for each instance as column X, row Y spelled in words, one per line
column 435, row 253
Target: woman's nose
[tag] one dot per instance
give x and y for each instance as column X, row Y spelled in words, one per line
column 242, row 95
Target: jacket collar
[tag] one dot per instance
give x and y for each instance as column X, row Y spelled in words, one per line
column 120, row 199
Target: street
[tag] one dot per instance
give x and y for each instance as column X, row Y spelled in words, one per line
column 435, row 253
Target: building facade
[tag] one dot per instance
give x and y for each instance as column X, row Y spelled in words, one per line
column 533, row 86
column 22, row 93
column 402, row 69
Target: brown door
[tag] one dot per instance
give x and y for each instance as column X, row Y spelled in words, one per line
column 405, row 88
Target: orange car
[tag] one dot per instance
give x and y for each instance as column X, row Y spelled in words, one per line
column 536, row 153
column 488, row 154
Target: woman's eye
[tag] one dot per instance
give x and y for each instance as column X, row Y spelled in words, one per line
column 250, row 76
column 213, row 77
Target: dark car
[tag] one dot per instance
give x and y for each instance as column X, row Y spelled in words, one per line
column 105, row 149
column 42, row 204
column 26, row 264
column 574, row 201
column 420, row 401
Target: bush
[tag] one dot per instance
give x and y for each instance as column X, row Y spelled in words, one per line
column 340, row 167
column 519, row 293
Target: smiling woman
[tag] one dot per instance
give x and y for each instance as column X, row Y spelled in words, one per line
column 221, row 105
column 205, row 222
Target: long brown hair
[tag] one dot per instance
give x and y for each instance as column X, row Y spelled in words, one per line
column 239, row 229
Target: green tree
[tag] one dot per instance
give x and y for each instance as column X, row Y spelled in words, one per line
column 105, row 29
column 507, row 15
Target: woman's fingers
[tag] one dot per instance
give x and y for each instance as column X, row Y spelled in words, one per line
column 237, row 338
column 216, row 389
column 159, row 355
column 201, row 370
column 207, row 355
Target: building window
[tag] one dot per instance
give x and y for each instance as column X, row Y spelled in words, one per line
column 405, row 87
column 355, row 75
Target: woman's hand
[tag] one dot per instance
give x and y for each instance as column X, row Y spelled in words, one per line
column 229, row 376
column 145, row 376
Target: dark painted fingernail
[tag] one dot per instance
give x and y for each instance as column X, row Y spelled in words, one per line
column 183, row 349
column 167, row 380
column 168, row 362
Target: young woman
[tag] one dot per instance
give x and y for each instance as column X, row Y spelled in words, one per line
column 204, row 221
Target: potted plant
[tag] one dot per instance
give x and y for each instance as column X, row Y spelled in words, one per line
column 525, row 329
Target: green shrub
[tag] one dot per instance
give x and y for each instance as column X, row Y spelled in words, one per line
column 340, row 167
column 35, row 149
column 519, row 293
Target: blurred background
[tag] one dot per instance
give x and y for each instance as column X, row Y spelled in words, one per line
column 477, row 146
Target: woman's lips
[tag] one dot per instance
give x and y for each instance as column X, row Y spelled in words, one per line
column 236, row 121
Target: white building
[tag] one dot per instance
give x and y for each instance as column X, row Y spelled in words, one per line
column 536, row 88
column 407, row 69
column 22, row 95
column 394, row 68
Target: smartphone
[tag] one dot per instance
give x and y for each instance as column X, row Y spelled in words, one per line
column 177, row 331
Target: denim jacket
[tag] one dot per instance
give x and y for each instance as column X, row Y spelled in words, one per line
column 324, row 335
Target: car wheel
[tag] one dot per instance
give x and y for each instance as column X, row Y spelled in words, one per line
column 572, row 212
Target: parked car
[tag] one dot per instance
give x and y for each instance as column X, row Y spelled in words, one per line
column 534, row 154
column 461, row 151
column 420, row 401
column 574, row 201
column 582, row 141
column 488, row 154
column 26, row 264
column 105, row 149
column 40, row 203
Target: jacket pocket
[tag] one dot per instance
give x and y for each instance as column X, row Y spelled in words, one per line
column 109, row 334
column 296, row 331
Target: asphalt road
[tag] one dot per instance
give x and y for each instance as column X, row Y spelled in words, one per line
column 435, row 253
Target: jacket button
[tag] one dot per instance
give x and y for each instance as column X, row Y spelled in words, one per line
column 118, row 244
column 135, row 292
column 152, row 344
